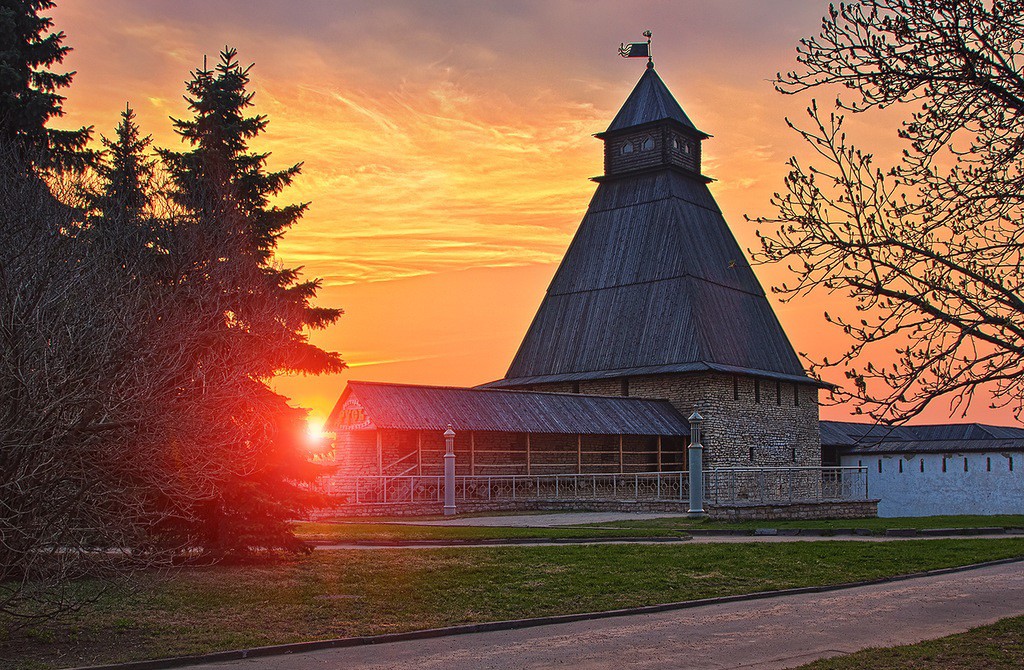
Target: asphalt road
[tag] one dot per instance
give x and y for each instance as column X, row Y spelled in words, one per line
column 781, row 632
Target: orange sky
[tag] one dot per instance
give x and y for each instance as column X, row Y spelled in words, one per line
column 447, row 146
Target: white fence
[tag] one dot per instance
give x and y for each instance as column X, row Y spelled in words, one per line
column 722, row 486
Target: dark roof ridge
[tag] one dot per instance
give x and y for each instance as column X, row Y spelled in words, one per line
column 674, row 196
column 707, row 367
column 504, row 390
column 879, row 424
column 685, row 275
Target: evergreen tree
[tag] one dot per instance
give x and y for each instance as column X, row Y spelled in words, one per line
column 29, row 96
column 263, row 311
column 126, row 172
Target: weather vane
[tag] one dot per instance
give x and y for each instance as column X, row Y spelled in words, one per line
column 639, row 49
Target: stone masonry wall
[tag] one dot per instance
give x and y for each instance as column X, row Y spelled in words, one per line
column 747, row 420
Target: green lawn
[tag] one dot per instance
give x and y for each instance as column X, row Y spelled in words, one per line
column 342, row 593
column 996, row 647
column 360, row 529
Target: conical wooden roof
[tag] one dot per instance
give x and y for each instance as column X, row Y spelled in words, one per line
column 650, row 101
column 653, row 281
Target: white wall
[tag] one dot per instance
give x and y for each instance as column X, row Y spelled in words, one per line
column 933, row 492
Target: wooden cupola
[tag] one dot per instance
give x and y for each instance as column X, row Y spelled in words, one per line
column 650, row 132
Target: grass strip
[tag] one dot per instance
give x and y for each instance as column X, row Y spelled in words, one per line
column 357, row 530
column 389, row 532
column 343, row 593
column 999, row 646
column 878, row 526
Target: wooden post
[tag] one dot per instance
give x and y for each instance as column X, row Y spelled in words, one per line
column 621, row 469
column 527, row 453
column 659, row 454
column 419, row 452
column 579, row 454
column 472, row 454
column 380, row 454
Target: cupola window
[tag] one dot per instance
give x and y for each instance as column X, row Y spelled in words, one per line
column 627, row 148
column 647, row 144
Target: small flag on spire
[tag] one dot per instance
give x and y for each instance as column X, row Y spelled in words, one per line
column 637, row 49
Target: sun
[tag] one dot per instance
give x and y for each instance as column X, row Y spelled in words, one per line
column 315, row 436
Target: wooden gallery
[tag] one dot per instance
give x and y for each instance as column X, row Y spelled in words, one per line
column 653, row 315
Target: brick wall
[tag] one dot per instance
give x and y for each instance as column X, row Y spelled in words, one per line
column 743, row 416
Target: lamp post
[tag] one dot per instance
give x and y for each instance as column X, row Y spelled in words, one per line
column 696, row 466
column 449, row 471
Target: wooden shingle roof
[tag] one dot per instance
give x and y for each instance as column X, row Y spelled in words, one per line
column 653, row 282
column 413, row 407
column 650, row 102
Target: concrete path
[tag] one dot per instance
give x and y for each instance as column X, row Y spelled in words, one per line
column 768, row 634
column 703, row 539
column 544, row 520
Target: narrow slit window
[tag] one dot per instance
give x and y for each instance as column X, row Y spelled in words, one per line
column 1010, row 460
column 625, row 386
column 901, row 466
column 988, row 464
column 965, row 464
column 792, row 454
column 575, row 387
column 943, row 464
column 922, row 465
column 879, row 464
column 751, row 454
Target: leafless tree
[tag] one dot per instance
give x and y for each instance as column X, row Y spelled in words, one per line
column 114, row 380
column 929, row 249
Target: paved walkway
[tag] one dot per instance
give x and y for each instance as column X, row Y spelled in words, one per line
column 702, row 539
column 781, row 632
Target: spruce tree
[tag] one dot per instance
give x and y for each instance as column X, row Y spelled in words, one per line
column 265, row 310
column 29, row 91
column 120, row 218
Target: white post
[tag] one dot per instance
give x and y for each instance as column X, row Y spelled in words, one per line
column 696, row 467
column 449, row 471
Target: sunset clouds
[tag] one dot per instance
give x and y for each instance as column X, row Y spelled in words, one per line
column 447, row 145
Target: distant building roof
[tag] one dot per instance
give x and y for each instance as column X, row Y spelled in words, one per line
column 867, row 438
column 649, row 102
column 411, row 407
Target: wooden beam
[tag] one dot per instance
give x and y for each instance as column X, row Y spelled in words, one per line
column 527, row 453
column 579, row 454
column 380, row 454
column 472, row 453
column 419, row 452
column 620, row 455
column 659, row 454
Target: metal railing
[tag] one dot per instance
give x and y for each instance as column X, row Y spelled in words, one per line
column 722, row 486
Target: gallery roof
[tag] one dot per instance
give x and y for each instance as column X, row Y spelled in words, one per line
column 411, row 407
